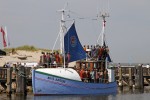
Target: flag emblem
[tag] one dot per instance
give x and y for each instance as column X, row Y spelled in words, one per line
column 73, row 41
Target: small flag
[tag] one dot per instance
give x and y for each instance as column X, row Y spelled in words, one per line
column 4, row 40
column 7, row 38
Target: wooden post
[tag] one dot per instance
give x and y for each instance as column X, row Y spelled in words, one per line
column 21, row 81
column 120, row 78
column 139, row 83
column 9, row 81
column 3, row 75
column 130, row 78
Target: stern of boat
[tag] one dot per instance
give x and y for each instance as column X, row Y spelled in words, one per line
column 33, row 80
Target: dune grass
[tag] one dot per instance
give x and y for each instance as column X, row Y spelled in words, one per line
column 26, row 48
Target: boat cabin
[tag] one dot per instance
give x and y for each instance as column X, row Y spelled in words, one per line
column 97, row 65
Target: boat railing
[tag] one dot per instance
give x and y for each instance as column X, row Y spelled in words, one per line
column 99, row 80
column 52, row 65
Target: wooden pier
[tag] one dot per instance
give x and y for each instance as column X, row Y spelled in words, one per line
column 133, row 76
column 20, row 75
column 126, row 76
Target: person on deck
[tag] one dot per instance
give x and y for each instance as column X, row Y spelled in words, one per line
column 44, row 58
column 57, row 57
column 68, row 57
column 47, row 58
column 105, row 76
column 101, row 76
column 101, row 49
column 82, row 74
column 107, row 49
column 61, row 59
column 104, row 53
column 92, row 75
column 93, row 49
column 51, row 59
column 87, row 75
column 96, row 76
column 84, row 47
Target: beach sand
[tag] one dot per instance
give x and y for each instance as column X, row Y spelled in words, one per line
column 32, row 56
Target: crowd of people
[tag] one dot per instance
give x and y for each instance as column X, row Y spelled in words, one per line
column 96, row 52
column 53, row 59
column 95, row 75
column 92, row 53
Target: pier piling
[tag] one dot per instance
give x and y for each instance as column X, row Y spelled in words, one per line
column 130, row 78
column 139, row 81
column 9, row 81
column 21, row 81
column 120, row 79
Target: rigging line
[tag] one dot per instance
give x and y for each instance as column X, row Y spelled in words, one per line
column 94, row 28
column 108, row 6
column 102, row 31
column 55, row 41
column 78, row 16
column 66, row 5
column 67, row 42
column 106, row 42
column 98, row 5
column 104, row 6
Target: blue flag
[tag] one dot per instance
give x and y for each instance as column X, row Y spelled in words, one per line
column 108, row 58
column 73, row 48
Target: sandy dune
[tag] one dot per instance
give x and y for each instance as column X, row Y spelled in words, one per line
column 31, row 57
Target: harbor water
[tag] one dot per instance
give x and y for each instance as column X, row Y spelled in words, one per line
column 121, row 95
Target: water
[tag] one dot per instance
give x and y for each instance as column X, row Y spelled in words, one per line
column 121, row 95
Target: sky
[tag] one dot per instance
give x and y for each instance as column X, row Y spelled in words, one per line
column 36, row 22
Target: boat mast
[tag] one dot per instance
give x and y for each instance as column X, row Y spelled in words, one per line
column 102, row 34
column 62, row 33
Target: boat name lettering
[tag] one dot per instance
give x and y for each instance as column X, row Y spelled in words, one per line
column 60, row 80
column 51, row 78
column 56, row 79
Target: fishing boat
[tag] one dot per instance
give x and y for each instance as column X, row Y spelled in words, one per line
column 66, row 80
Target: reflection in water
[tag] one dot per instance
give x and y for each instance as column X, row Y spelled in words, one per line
column 130, row 91
column 126, row 94
column 4, row 96
column 121, row 95
column 73, row 97
column 20, row 97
